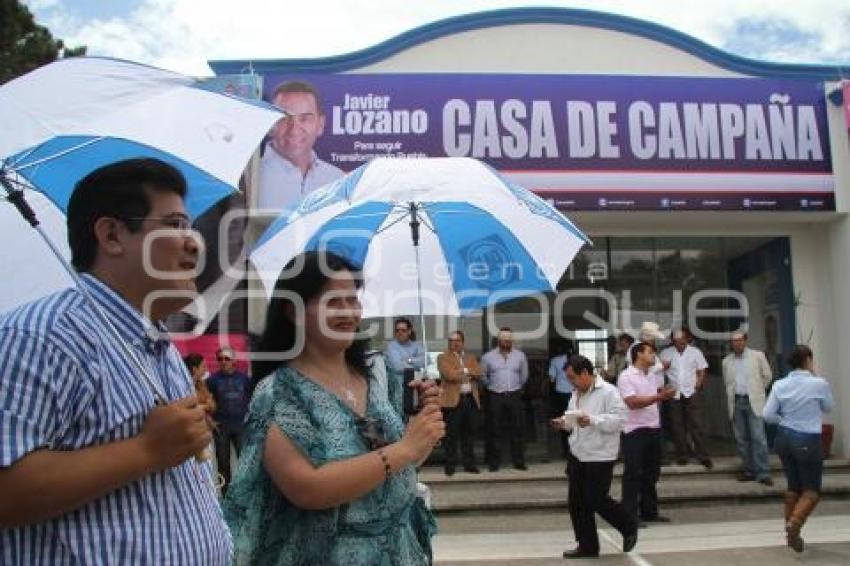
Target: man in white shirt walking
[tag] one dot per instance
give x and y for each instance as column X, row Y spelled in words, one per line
column 686, row 373
column 599, row 414
column 747, row 375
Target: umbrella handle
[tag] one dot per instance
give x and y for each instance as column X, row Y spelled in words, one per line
column 16, row 197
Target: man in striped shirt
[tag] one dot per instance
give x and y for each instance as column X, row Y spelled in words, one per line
column 93, row 470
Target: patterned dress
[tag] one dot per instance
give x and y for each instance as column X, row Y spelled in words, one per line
column 387, row 526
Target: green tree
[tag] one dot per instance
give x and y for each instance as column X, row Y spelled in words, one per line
column 25, row 45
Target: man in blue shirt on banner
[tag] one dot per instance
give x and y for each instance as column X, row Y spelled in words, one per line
column 290, row 168
column 95, row 468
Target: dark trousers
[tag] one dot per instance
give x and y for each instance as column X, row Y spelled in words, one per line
column 460, row 426
column 224, row 436
column 558, row 403
column 686, row 422
column 504, row 408
column 588, row 495
column 802, row 459
column 642, row 466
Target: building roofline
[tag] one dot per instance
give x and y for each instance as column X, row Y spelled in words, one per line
column 513, row 16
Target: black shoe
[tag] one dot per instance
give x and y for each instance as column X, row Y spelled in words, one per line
column 471, row 470
column 656, row 519
column 450, row 470
column 642, row 524
column 579, row 553
column 707, row 463
column 681, row 461
column 743, row 476
column 629, row 542
column 766, row 481
column 520, row 467
column 493, row 468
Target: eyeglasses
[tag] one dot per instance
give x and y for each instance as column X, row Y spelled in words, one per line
column 402, row 329
column 372, row 431
column 179, row 223
column 223, row 359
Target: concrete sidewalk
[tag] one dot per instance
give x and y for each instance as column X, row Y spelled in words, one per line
column 694, row 544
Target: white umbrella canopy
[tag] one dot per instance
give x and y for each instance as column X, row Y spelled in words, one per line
column 66, row 119
column 93, row 98
column 483, row 240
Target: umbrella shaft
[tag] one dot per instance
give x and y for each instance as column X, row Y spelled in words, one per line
column 414, row 235
column 419, row 296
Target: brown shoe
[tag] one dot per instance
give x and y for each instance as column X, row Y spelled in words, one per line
column 804, row 507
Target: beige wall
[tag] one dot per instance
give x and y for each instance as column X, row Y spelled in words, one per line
column 546, row 48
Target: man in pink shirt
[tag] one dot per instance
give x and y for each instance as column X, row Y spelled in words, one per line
column 642, row 434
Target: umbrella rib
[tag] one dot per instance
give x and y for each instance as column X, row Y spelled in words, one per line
column 60, row 154
column 9, row 164
column 391, row 224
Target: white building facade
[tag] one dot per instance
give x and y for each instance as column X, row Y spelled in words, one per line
column 715, row 188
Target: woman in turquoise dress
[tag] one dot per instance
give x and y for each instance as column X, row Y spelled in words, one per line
column 327, row 472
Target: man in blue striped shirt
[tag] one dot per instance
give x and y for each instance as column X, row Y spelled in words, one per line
column 92, row 470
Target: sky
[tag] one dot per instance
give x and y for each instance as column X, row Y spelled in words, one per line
column 182, row 35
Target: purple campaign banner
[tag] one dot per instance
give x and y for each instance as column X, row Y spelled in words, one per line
column 586, row 141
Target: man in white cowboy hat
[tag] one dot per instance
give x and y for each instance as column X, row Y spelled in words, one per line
column 650, row 333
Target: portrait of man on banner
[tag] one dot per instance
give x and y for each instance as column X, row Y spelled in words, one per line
column 290, row 168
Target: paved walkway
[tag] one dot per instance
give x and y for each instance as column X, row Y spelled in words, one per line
column 695, row 544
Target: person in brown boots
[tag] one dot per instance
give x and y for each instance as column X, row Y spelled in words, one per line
column 797, row 403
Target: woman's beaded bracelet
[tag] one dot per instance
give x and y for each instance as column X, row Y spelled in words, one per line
column 387, row 468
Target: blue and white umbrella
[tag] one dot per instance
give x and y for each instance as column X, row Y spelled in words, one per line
column 66, row 119
column 481, row 239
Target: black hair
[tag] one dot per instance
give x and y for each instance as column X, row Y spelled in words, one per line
column 299, row 86
column 638, row 348
column 405, row 320
column 192, row 361
column 305, row 276
column 579, row 363
column 799, row 355
column 627, row 337
column 120, row 190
